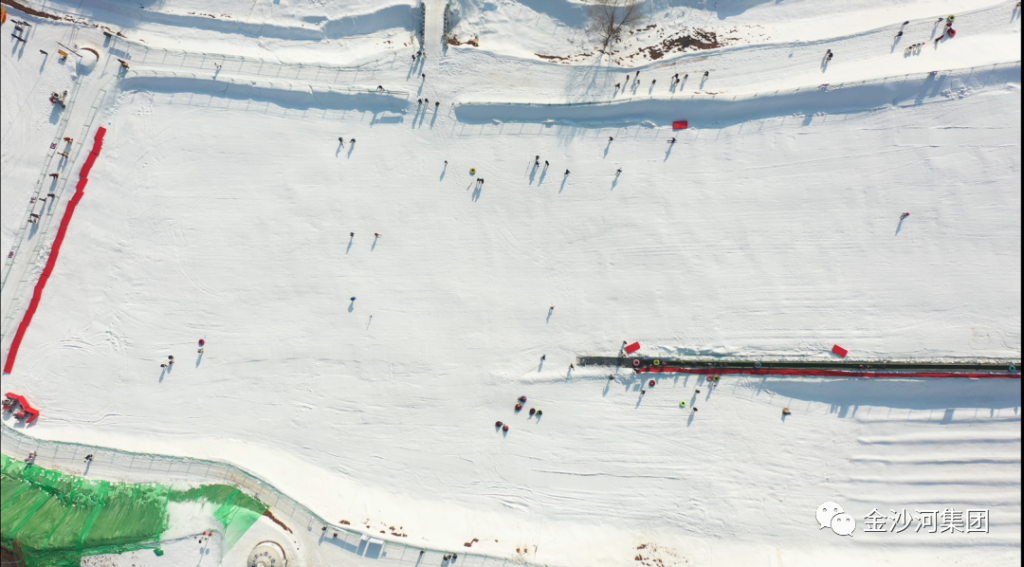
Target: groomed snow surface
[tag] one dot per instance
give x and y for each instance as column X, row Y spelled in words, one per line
column 222, row 206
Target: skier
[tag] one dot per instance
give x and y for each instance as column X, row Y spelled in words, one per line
column 546, row 163
column 55, row 175
column 446, row 163
column 51, row 195
column 352, row 141
column 88, row 457
column 69, row 140
column 899, row 34
column 686, row 76
column 654, row 81
column 543, row 357
column 34, row 215
column 341, row 141
column 617, row 86
column 618, row 172
column 424, row 76
column 642, row 392
column 426, row 100
column 380, row 88
column 904, row 215
column 351, row 235
column 572, row 366
column 376, row 235
column 706, row 73
column 437, row 104
column 567, row 172
column 610, row 138
column 536, row 160
column 672, row 140
column 419, row 101
column 830, row 56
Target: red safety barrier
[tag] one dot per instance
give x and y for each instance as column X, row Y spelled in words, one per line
column 37, row 294
column 840, row 351
column 824, row 372
column 25, row 406
column 630, row 349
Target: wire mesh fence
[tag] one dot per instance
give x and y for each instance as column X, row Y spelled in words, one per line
column 344, row 545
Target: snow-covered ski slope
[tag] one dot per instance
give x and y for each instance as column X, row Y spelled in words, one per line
column 222, row 204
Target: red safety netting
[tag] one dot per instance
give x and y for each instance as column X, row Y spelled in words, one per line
column 37, row 294
column 33, row 412
column 824, row 372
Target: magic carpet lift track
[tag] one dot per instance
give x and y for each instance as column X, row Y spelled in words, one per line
column 845, row 369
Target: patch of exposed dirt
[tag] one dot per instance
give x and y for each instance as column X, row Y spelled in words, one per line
column 7, row 559
column 652, row 555
column 566, row 59
column 454, row 40
column 274, row 519
column 46, row 15
column 27, row 10
column 686, row 40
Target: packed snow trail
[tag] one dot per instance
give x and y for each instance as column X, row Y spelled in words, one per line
column 433, row 36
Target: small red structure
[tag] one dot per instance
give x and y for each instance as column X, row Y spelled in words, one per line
column 651, row 383
column 680, row 124
column 27, row 411
column 630, row 349
column 840, row 351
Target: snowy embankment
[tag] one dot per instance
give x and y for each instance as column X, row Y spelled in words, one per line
column 725, row 111
column 224, row 211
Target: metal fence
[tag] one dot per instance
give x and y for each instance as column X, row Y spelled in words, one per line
column 24, row 263
column 347, row 547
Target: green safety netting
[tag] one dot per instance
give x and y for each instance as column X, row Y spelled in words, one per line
column 235, row 509
column 56, row 518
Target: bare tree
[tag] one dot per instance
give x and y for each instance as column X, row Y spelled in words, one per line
column 609, row 18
